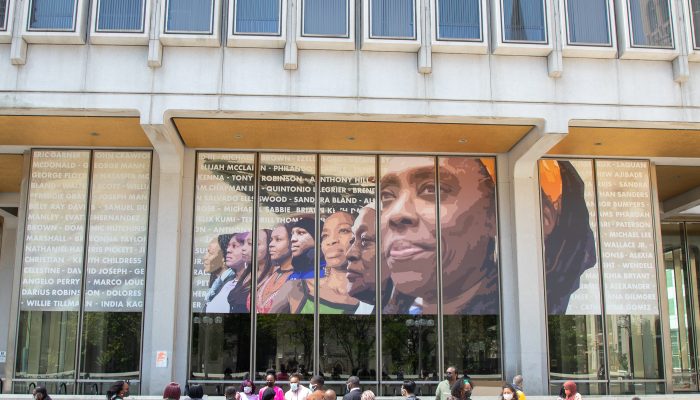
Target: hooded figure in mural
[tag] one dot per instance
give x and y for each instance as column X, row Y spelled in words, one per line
column 569, row 242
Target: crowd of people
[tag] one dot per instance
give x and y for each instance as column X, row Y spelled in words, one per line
column 453, row 387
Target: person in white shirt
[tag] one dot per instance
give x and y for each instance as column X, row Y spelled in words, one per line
column 296, row 390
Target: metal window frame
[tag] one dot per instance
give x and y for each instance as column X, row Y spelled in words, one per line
column 316, row 35
column 545, row 28
column 30, row 5
column 212, row 24
column 630, row 31
column 436, row 21
column 608, row 10
column 415, row 27
column 141, row 29
column 280, row 14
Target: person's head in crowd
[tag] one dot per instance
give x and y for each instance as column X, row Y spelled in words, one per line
column 316, row 383
column 509, row 392
column 213, row 260
column 335, row 239
column 230, row 393
column 270, row 379
column 172, row 391
column 329, row 395
column 247, row 387
column 234, row 252
column 119, row 389
column 196, row 392
column 294, row 380
column 636, row 398
column 367, row 395
column 468, row 227
column 570, row 389
column 281, row 245
column 268, row 394
column 40, row 393
column 451, row 374
column 352, row 382
column 408, row 388
column 462, row 389
column 362, row 258
column 518, row 382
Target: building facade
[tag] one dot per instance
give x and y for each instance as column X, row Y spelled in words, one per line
column 203, row 191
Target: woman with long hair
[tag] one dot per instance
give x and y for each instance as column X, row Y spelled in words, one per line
column 118, row 391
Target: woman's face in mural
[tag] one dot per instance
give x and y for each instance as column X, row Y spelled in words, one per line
column 279, row 245
column 362, row 256
column 408, row 224
column 247, row 247
column 262, row 245
column 468, row 221
column 213, row 257
column 234, row 252
column 301, row 241
column 335, row 238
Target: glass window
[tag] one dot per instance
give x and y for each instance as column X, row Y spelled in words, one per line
column 408, row 224
column 459, row 20
column 695, row 16
column 467, row 188
column 190, row 16
column 260, row 17
column 326, row 18
column 348, row 286
column 588, row 22
column 524, row 21
column 3, row 14
column 223, row 260
column 392, row 19
column 120, row 15
column 650, row 23
column 569, row 225
column 52, row 15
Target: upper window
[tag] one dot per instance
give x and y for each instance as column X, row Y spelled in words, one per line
column 392, row 19
column 588, row 22
column 52, row 15
column 459, row 20
column 524, row 21
column 3, row 15
column 326, row 18
column 258, row 17
column 120, row 15
column 650, row 23
column 190, row 16
column 695, row 17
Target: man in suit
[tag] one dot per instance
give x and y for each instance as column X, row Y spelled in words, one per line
column 354, row 392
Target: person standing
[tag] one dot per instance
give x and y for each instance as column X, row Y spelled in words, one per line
column 230, row 393
column 247, row 391
column 518, row 386
column 354, row 392
column 40, row 393
column 444, row 388
column 270, row 384
column 296, row 390
column 571, row 392
column 508, row 392
column 196, row 392
column 329, row 395
column 172, row 391
column 118, row 391
column 408, row 390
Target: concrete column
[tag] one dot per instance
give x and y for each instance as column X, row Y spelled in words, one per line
column 524, row 308
column 7, row 274
column 164, row 285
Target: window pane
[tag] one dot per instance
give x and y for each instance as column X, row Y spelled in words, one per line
column 52, row 15
column 222, row 273
column 3, row 15
column 588, row 21
column 46, row 344
column 569, row 224
column 189, row 16
column 392, row 19
column 650, row 22
column 523, row 21
column 409, row 249
column 120, row 15
column 258, row 16
column 695, row 10
column 284, row 343
column 468, row 235
column 348, row 237
column 459, row 19
column 111, row 346
column 326, row 17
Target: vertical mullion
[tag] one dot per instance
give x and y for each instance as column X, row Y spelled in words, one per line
column 86, row 236
column 317, row 269
column 438, row 237
column 378, row 278
column 254, row 278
